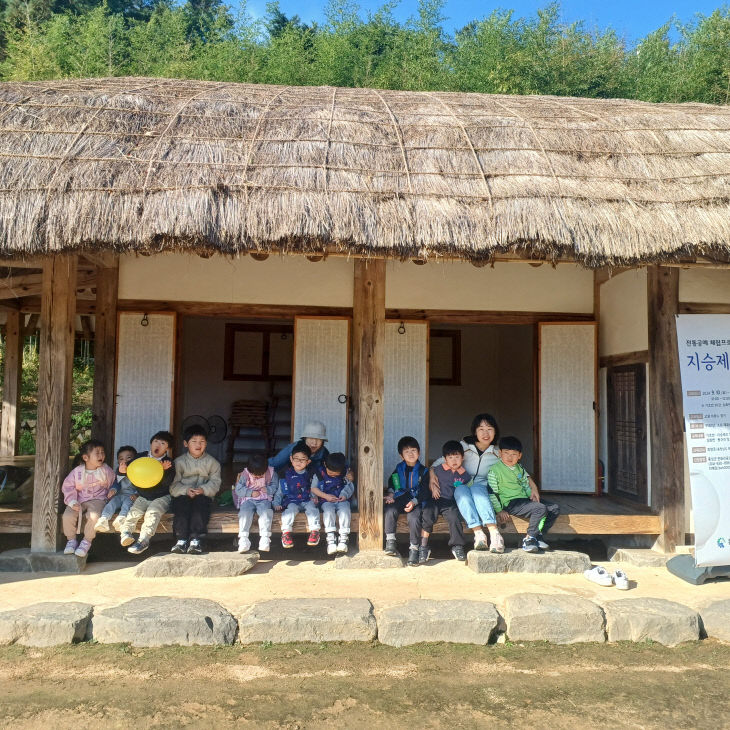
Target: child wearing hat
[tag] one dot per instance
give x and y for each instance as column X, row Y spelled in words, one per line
column 313, row 435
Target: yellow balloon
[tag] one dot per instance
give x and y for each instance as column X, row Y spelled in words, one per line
column 145, row 472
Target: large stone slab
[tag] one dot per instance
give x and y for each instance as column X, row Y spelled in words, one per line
column 559, row 619
column 22, row 560
column 559, row 562
column 655, row 619
column 161, row 621
column 46, row 624
column 210, row 565
column 369, row 560
column 281, row 621
column 716, row 619
column 642, row 558
column 684, row 567
column 422, row 620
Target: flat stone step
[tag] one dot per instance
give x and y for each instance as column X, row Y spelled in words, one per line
column 559, row 562
column 557, row 619
column 286, row 620
column 209, row 565
column 46, row 624
column 716, row 619
column 655, row 619
column 424, row 620
column 162, row 621
column 640, row 557
column 369, row 559
column 22, row 560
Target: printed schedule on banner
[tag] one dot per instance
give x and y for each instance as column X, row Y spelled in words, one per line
column 704, row 357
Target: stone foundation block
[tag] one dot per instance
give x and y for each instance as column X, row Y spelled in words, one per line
column 640, row 558
column 46, row 624
column 210, row 565
column 369, row 559
column 559, row 619
column 421, row 620
column 307, row 619
column 716, row 619
column 640, row 619
column 559, row 562
column 23, row 560
column 161, row 621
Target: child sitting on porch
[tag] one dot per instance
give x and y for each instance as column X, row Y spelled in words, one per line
column 197, row 481
column 333, row 490
column 84, row 490
column 252, row 494
column 443, row 481
column 122, row 493
column 151, row 503
column 409, row 478
column 294, row 496
column 515, row 493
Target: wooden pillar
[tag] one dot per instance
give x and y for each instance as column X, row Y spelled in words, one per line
column 10, row 427
column 368, row 338
column 665, row 405
column 55, row 371
column 105, row 352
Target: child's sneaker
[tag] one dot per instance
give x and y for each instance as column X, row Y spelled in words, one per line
column 541, row 543
column 102, row 524
column 139, row 547
column 195, row 547
column 264, row 544
column 598, row 575
column 621, row 580
column 391, row 547
column 244, row 544
column 313, row 539
column 118, row 523
column 497, row 543
column 342, row 544
column 70, row 548
column 458, row 552
column 413, row 556
column 126, row 539
column 287, row 540
column 529, row 545
column 480, row 543
column 179, row 547
column 331, row 543
column 424, row 553
column 83, row 548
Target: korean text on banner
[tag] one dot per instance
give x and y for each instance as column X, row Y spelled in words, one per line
column 704, row 359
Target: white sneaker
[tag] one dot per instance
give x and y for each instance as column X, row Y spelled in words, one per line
column 599, row 576
column 264, row 544
column 342, row 544
column 480, row 543
column 331, row 547
column 621, row 580
column 102, row 524
column 244, row 544
column 497, row 543
column 118, row 522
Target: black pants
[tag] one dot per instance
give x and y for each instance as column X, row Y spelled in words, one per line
column 450, row 512
column 414, row 518
column 534, row 511
column 191, row 516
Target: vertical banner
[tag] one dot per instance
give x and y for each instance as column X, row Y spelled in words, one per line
column 704, row 348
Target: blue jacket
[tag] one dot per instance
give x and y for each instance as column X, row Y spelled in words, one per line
column 408, row 481
column 294, row 487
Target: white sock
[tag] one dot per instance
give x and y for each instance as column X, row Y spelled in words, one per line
column 390, row 535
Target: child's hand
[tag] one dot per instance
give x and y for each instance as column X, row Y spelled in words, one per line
column 122, row 467
column 331, row 498
column 341, row 499
column 166, row 464
column 409, row 507
column 389, row 499
column 133, row 497
column 110, row 493
column 435, row 490
column 502, row 518
column 278, row 508
column 192, row 492
column 76, row 507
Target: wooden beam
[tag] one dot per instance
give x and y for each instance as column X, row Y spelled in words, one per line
column 55, row 370
column 10, row 427
column 624, row 358
column 703, row 308
column 369, row 331
column 27, row 285
column 665, row 405
column 476, row 316
column 105, row 355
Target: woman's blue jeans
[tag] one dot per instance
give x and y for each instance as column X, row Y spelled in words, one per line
column 474, row 504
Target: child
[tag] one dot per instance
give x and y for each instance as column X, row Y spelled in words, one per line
column 84, row 490
column 197, row 481
column 333, row 490
column 314, row 435
column 409, row 478
column 122, row 493
column 443, row 481
column 252, row 494
column 515, row 493
column 294, row 496
column 150, row 503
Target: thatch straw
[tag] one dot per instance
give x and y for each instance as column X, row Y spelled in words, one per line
column 152, row 164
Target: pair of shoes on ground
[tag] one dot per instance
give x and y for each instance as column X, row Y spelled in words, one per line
column 194, row 547
column 416, row 555
column 602, row 577
column 335, row 546
column 532, row 544
column 244, row 544
column 79, row 549
column 287, row 540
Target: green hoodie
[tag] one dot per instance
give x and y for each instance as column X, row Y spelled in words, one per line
column 507, row 484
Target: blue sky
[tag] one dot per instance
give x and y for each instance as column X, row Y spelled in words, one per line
column 632, row 19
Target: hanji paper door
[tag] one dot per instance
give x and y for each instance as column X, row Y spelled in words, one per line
column 567, row 406
column 405, row 397
column 145, row 378
column 321, row 382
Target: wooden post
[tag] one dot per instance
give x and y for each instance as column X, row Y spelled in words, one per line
column 369, row 336
column 105, row 352
column 10, row 428
column 55, row 371
column 665, row 405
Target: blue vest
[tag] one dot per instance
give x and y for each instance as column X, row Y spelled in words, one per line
column 328, row 484
column 295, row 488
column 410, row 484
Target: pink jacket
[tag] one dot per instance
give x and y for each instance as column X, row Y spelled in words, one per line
column 82, row 485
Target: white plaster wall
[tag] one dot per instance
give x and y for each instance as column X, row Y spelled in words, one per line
column 704, row 285
column 624, row 320
column 508, row 286
column 288, row 280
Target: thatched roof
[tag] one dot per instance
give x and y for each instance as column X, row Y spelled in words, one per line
column 135, row 164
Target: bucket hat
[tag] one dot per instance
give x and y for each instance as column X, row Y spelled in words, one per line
column 314, row 430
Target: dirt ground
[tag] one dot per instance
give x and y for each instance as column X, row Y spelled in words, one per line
column 366, row 686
